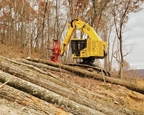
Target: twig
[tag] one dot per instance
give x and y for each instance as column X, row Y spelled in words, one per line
column 102, row 74
column 6, row 82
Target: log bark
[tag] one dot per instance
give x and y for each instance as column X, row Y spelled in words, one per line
column 41, row 65
column 52, row 82
column 129, row 85
column 29, row 102
column 41, row 80
column 48, row 95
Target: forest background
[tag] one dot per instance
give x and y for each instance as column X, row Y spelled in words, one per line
column 33, row 24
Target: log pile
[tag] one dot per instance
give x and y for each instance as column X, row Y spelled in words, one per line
column 25, row 103
column 129, row 85
column 32, row 76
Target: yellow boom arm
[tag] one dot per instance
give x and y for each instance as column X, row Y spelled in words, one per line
column 82, row 26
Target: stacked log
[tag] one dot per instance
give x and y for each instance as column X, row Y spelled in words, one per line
column 129, row 85
column 22, row 102
column 29, row 77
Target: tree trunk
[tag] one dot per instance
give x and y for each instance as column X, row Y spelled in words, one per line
column 48, row 95
column 129, row 85
column 55, row 85
column 29, row 102
column 121, row 57
column 59, row 86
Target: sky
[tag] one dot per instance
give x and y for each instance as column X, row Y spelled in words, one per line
column 135, row 37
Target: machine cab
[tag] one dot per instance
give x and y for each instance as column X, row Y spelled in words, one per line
column 77, row 46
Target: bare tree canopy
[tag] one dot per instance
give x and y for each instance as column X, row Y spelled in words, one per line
column 33, row 24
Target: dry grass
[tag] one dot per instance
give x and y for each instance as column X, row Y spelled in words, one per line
column 15, row 51
column 112, row 93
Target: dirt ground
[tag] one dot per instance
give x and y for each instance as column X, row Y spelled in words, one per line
column 15, row 51
column 118, row 95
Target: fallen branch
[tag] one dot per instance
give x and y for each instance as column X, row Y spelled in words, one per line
column 5, row 82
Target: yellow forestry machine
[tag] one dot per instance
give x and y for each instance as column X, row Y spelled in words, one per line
column 86, row 49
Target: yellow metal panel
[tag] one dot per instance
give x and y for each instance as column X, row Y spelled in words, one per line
column 66, row 40
column 83, row 53
column 87, row 29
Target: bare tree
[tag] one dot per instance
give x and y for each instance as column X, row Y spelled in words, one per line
column 120, row 11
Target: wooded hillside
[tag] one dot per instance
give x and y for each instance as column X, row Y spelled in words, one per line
column 33, row 24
